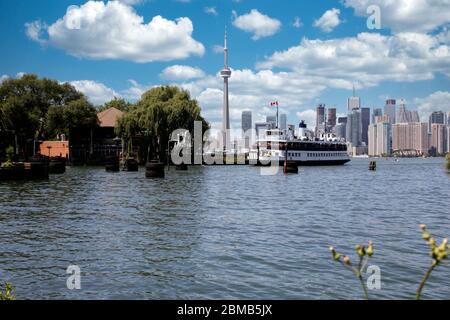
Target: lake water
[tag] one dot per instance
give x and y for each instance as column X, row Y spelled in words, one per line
column 224, row 232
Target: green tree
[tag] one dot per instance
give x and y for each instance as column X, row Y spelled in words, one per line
column 160, row 111
column 33, row 108
column 118, row 103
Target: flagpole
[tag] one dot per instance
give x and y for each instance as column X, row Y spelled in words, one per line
column 278, row 126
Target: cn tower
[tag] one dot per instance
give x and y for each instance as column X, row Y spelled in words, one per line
column 225, row 73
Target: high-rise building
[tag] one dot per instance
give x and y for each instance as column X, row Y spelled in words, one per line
column 414, row 116
column 272, row 120
column 438, row 138
column 246, row 121
column 390, row 110
column 372, row 146
column 353, row 103
column 342, row 120
column 379, row 139
column 320, row 119
column 353, row 134
column 365, row 122
column 410, row 136
column 340, row 131
column 283, row 121
column 403, row 115
column 225, row 73
column 331, row 119
column 448, row 138
column 377, row 112
column 436, row 117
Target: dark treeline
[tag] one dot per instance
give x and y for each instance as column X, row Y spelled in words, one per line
column 33, row 109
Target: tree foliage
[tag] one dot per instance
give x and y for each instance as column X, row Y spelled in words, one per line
column 118, row 103
column 34, row 108
column 160, row 111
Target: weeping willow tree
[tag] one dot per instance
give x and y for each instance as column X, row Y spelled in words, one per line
column 155, row 116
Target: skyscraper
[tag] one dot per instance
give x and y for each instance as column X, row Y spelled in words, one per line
column 331, row 119
column 225, row 73
column 377, row 112
column 342, row 120
column 340, row 131
column 353, row 103
column 246, row 121
column 353, row 134
column 320, row 119
column 436, row 117
column 272, row 120
column 283, row 121
column 410, row 136
column 379, row 138
column 365, row 122
column 448, row 138
column 438, row 138
column 403, row 115
column 390, row 110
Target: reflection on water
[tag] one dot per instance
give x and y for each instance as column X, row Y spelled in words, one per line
column 223, row 232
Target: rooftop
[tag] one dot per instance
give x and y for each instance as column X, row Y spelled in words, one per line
column 109, row 117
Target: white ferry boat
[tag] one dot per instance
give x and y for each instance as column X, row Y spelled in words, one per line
column 303, row 150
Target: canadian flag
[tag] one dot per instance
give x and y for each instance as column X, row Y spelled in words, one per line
column 275, row 103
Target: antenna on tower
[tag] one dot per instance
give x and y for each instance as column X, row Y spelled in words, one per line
column 225, row 48
column 354, row 91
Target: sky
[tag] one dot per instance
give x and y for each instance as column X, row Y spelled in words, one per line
column 300, row 53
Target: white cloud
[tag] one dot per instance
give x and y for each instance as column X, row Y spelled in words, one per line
column 113, row 30
column 297, row 23
column 309, row 116
column 6, row 77
column 35, row 30
column 315, row 65
column 369, row 58
column 253, row 91
column 217, row 48
column 437, row 101
column 257, row 23
column 178, row 72
column 3, row 78
column 135, row 91
column 131, row 2
column 211, row 10
column 96, row 92
column 329, row 20
column 406, row 15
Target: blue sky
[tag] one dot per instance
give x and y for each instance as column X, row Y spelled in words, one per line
column 118, row 50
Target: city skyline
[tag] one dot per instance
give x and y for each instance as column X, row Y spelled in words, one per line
column 36, row 42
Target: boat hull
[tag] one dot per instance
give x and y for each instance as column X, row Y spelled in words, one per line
column 312, row 163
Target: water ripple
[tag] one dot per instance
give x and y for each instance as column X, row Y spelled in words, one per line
column 223, row 232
